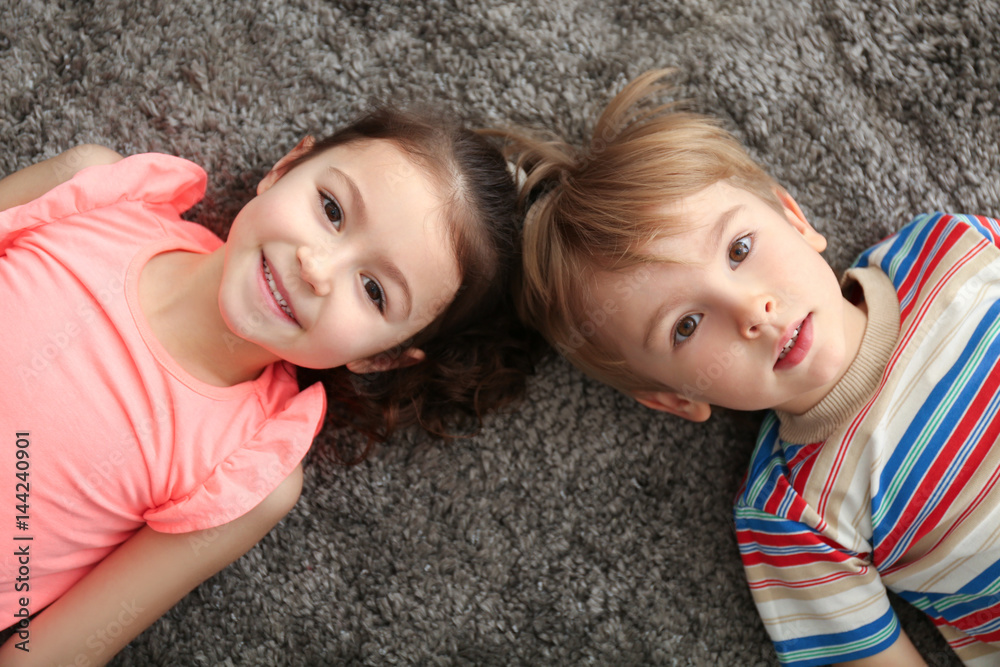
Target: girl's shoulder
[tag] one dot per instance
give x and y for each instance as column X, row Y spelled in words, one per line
column 150, row 178
column 112, row 200
column 153, row 178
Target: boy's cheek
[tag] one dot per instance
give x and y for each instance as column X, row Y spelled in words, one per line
column 627, row 285
column 623, row 288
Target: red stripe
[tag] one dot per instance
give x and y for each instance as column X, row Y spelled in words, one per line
column 806, row 457
column 978, row 618
column 983, row 494
column 754, row 543
column 900, row 346
column 990, row 225
column 935, row 474
column 925, row 263
column 747, row 537
column 806, row 583
column 794, row 559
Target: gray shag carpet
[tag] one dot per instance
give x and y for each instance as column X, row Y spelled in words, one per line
column 578, row 528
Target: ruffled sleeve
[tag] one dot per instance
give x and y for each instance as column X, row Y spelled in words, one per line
column 151, row 178
column 250, row 473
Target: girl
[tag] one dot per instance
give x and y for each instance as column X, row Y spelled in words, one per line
column 156, row 427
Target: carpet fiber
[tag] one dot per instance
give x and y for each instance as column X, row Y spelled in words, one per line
column 579, row 528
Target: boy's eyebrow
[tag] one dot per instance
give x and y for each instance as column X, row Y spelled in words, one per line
column 655, row 323
column 360, row 219
column 718, row 229
column 721, row 223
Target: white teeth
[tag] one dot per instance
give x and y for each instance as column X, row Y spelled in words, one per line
column 790, row 344
column 274, row 291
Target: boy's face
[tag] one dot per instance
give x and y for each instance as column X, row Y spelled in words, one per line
column 748, row 316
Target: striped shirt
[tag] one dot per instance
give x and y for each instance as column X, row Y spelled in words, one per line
column 890, row 482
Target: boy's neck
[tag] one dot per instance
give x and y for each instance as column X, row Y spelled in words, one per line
column 179, row 296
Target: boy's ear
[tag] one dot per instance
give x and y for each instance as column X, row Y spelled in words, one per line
column 385, row 361
column 675, row 404
column 281, row 166
column 798, row 220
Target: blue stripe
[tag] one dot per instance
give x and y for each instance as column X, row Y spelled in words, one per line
column 840, row 646
column 964, row 604
column 917, row 279
column 769, row 524
column 989, row 229
column 786, row 502
column 774, row 550
column 919, row 431
column 899, row 259
column 955, row 466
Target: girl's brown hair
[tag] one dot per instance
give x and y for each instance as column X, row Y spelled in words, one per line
column 599, row 209
column 477, row 352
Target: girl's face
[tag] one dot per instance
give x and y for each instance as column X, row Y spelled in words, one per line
column 345, row 256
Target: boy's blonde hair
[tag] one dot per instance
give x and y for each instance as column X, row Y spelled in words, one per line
column 600, row 208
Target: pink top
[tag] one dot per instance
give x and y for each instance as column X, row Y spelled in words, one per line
column 119, row 434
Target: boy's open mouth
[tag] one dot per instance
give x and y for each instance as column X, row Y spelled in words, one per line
column 275, row 291
column 790, row 344
column 796, row 346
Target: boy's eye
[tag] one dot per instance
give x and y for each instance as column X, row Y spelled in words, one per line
column 685, row 328
column 740, row 250
column 374, row 292
column 332, row 210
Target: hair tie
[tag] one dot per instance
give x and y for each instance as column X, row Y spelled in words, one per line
column 535, row 208
column 517, row 173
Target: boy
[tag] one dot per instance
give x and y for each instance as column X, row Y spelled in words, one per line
column 669, row 265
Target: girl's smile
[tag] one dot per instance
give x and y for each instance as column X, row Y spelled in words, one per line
column 271, row 287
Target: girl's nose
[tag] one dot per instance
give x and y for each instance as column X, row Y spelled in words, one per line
column 315, row 269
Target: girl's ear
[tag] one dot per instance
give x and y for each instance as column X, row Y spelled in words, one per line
column 675, row 404
column 385, row 361
column 281, row 166
column 798, row 220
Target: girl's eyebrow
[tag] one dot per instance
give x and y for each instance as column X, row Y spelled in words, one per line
column 396, row 276
column 357, row 201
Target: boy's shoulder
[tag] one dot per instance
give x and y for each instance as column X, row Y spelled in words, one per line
column 932, row 242
column 928, row 234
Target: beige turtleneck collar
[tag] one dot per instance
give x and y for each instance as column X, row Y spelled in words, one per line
column 865, row 373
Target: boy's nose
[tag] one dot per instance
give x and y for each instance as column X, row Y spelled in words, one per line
column 315, row 269
column 756, row 312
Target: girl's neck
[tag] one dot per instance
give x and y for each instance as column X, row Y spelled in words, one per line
column 179, row 296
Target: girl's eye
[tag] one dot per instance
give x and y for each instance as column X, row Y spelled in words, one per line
column 374, row 292
column 685, row 328
column 332, row 210
column 740, row 250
